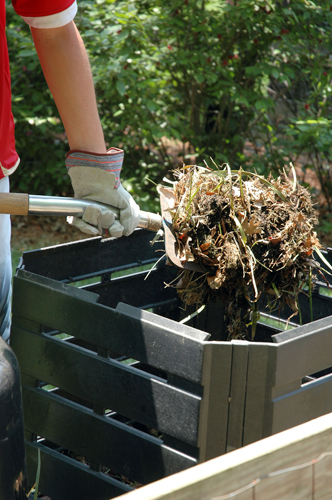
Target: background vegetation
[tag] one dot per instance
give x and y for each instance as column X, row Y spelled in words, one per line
column 247, row 82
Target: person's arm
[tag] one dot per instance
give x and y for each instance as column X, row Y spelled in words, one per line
column 94, row 172
column 67, row 71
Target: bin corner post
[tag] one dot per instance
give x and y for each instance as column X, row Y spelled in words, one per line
column 238, row 388
column 258, row 417
column 216, row 375
column 12, row 447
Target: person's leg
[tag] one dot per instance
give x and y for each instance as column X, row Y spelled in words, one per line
column 5, row 268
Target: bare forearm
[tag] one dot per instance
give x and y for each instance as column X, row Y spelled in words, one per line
column 67, row 71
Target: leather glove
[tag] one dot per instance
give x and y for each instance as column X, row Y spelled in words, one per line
column 96, row 177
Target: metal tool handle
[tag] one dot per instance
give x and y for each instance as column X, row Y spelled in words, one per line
column 24, row 204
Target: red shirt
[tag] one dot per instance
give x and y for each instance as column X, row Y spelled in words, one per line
column 40, row 14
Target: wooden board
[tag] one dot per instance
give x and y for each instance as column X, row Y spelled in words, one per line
column 293, row 465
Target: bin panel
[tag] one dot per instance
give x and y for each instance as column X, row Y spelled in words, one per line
column 144, row 289
column 81, row 259
column 321, row 307
column 276, row 398
column 121, row 388
column 140, row 336
column 131, row 452
column 312, row 400
column 305, row 351
column 66, row 479
column 152, row 289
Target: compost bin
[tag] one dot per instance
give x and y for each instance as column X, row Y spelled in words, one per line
column 117, row 392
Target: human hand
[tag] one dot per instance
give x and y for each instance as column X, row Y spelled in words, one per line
column 96, row 177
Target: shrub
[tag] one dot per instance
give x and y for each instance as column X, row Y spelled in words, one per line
column 216, row 75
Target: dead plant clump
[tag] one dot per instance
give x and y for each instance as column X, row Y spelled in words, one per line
column 253, row 237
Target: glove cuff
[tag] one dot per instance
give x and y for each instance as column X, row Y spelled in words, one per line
column 111, row 161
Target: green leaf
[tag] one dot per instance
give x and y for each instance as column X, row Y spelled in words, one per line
column 242, row 100
column 152, row 107
column 200, row 77
column 289, row 72
column 261, row 104
column 27, row 53
column 120, row 87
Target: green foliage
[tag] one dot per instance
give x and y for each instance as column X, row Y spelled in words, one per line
column 314, row 136
column 236, row 81
column 212, row 75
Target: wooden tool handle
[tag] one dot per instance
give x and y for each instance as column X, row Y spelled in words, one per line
column 14, row 203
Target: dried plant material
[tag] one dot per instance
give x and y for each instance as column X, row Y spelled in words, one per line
column 253, row 237
column 250, row 227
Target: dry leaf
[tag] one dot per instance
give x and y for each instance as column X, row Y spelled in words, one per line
column 250, row 227
column 215, row 282
column 300, row 221
column 274, row 240
column 205, row 246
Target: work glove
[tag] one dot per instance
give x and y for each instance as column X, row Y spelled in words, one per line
column 96, row 177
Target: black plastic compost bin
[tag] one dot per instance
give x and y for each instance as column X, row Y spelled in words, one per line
column 118, row 392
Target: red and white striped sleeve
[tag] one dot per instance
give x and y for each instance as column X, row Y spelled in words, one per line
column 46, row 13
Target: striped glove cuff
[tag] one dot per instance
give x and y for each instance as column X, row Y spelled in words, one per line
column 111, row 161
